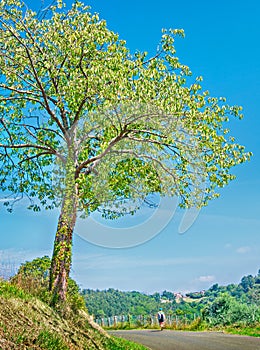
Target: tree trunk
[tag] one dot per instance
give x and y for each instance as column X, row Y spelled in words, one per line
column 62, row 251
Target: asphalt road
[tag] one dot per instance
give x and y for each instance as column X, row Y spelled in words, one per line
column 178, row 340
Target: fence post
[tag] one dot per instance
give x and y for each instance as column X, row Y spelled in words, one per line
column 115, row 321
column 122, row 320
column 129, row 320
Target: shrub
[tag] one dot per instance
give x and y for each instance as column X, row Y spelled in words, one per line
column 33, row 277
column 225, row 310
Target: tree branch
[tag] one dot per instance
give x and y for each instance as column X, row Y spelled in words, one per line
column 33, row 157
column 41, row 128
column 26, row 145
column 159, row 143
column 6, row 129
column 146, row 156
column 95, row 160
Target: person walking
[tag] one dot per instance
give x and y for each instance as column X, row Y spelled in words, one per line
column 161, row 318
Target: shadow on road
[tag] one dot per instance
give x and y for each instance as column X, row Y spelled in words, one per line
column 155, row 330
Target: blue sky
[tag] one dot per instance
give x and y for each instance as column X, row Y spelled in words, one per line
column 222, row 44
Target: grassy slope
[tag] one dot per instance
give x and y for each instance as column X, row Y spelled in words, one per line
column 28, row 323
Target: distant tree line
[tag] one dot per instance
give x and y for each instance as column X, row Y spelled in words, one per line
column 219, row 305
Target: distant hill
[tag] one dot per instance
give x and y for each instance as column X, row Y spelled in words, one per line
column 111, row 302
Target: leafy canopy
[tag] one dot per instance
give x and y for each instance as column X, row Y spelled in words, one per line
column 117, row 125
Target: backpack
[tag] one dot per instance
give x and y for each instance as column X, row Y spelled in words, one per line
column 161, row 317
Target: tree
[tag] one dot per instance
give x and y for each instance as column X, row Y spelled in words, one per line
column 257, row 278
column 86, row 126
column 32, row 276
column 168, row 295
column 226, row 310
column 157, row 297
column 247, row 282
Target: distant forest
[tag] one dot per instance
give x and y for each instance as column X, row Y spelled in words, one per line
column 234, row 303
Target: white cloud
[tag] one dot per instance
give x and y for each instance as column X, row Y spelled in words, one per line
column 209, row 278
column 243, row 250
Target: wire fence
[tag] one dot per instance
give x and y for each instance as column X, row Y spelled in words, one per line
column 146, row 321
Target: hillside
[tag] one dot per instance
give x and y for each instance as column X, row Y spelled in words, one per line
column 26, row 322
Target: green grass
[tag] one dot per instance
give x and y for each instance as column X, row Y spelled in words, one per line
column 122, row 344
column 50, row 341
column 252, row 331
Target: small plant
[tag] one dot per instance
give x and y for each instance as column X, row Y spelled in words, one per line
column 197, row 325
column 21, row 338
column 51, row 341
column 9, row 290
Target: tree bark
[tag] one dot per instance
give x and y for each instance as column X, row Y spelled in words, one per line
column 62, row 251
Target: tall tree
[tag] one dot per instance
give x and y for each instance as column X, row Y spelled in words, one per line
column 86, row 125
